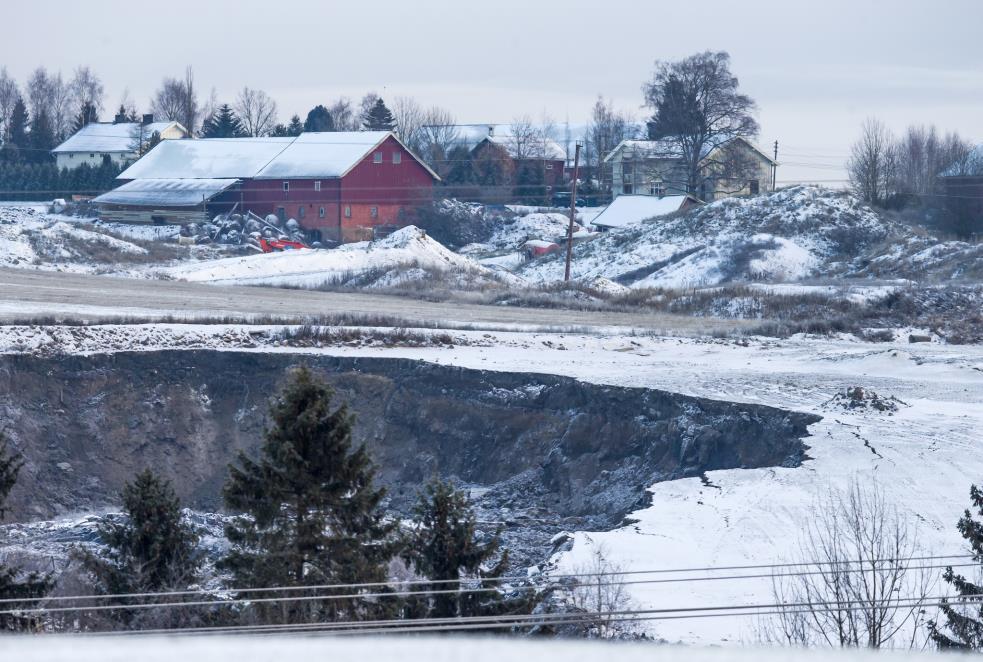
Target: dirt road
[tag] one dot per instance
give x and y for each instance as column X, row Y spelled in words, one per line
column 26, row 294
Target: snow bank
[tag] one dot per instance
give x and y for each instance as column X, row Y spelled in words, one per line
column 406, row 249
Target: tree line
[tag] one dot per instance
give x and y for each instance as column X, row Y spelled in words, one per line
column 906, row 172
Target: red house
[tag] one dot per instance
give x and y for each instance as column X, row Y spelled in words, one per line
column 339, row 186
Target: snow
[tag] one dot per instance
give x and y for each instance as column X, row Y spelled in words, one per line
column 407, row 247
column 392, row 648
column 322, row 154
column 108, row 137
column 628, row 210
column 166, row 192
column 531, row 148
column 211, row 158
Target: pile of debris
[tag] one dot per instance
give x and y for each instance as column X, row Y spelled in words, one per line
column 247, row 229
column 857, row 397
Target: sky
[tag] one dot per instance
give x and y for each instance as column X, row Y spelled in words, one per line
column 816, row 69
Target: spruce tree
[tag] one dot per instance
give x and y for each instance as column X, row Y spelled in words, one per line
column 319, row 119
column 963, row 628
column 87, row 115
column 42, row 139
column 311, row 514
column 223, row 123
column 150, row 549
column 444, row 547
column 14, row 585
column 19, row 119
column 378, row 118
column 296, row 127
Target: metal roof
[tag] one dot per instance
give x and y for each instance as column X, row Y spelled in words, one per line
column 166, row 192
column 105, row 137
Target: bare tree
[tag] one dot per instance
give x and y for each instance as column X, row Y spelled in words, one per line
column 871, row 162
column 48, row 93
column 9, row 94
column 409, row 116
column 438, row 135
column 86, row 88
column 177, row 101
column 365, row 105
column 697, row 109
column 257, row 111
column 607, row 128
column 343, row 115
column 858, row 584
column 599, row 592
column 524, row 139
column 921, row 155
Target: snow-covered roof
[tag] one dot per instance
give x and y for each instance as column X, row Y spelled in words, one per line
column 212, row 158
column 105, row 137
column 309, row 155
column 628, row 210
column 322, row 154
column 669, row 149
column 535, row 148
column 166, row 192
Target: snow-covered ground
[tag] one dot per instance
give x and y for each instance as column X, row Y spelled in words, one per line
column 272, row 648
column 393, row 258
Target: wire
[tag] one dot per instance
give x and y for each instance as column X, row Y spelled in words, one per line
column 150, row 605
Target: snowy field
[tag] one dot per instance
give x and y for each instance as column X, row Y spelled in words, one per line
column 396, row 649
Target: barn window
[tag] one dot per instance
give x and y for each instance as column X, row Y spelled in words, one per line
column 300, row 212
column 397, row 158
column 286, row 186
column 348, row 211
column 317, row 185
column 377, row 157
column 754, row 186
column 549, row 166
column 374, row 212
column 320, row 212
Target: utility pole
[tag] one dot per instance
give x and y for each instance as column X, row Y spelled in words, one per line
column 573, row 211
column 774, row 168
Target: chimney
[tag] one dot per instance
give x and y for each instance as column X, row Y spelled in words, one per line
column 148, row 118
column 119, row 118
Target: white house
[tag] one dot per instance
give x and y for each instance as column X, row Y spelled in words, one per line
column 655, row 167
column 120, row 142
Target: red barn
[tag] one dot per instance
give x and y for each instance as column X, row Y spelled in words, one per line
column 339, row 186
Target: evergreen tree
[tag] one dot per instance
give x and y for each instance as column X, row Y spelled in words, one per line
column 87, row 115
column 311, row 512
column 963, row 628
column 319, row 119
column 445, row 548
column 13, row 149
column 378, row 118
column 14, row 586
column 223, row 123
column 150, row 549
column 42, row 138
column 279, row 131
column 296, row 127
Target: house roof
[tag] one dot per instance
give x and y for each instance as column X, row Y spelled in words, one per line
column 107, row 137
column 166, row 192
column 628, row 210
column 310, row 155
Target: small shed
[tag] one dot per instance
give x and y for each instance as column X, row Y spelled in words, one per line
column 628, row 210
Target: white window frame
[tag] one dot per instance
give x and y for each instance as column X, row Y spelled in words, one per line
column 301, row 212
column 317, row 185
column 348, row 211
column 377, row 157
column 286, row 187
column 397, row 158
column 320, row 212
column 374, row 212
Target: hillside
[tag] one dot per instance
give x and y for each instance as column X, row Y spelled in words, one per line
column 791, row 235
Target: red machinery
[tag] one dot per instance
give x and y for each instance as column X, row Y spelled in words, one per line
column 277, row 245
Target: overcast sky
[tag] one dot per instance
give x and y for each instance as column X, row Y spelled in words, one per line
column 816, row 69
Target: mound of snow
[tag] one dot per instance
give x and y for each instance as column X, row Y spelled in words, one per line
column 405, row 250
column 548, row 226
column 788, row 235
